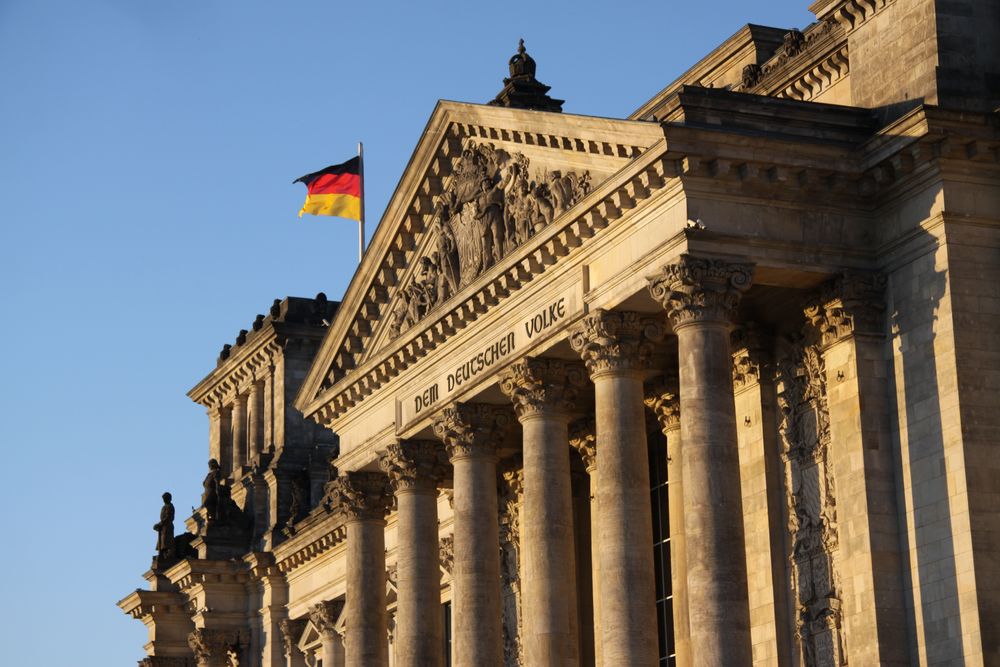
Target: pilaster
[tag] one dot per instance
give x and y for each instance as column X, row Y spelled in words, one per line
column 848, row 317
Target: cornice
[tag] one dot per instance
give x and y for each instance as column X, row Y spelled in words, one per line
column 140, row 603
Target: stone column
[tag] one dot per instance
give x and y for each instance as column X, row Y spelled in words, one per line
column 225, row 446
column 471, row 434
column 700, row 296
column 273, row 607
column 255, row 442
column 582, row 438
column 615, row 347
column 269, row 409
column 544, row 392
column 849, row 319
column 363, row 499
column 291, row 633
column 664, row 401
column 324, row 617
column 239, row 448
column 415, row 468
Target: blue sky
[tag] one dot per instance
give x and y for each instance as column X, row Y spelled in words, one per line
column 147, row 214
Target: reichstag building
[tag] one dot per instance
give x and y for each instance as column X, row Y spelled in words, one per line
column 716, row 384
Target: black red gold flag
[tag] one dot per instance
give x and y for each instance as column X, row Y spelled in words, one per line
column 335, row 190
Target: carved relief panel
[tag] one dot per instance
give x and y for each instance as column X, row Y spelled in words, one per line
column 812, row 506
column 511, row 488
column 492, row 204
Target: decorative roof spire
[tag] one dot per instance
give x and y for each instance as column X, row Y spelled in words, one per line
column 522, row 90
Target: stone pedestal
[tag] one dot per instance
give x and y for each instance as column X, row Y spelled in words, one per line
column 363, row 499
column 701, row 296
column 615, row 347
column 471, row 434
column 544, row 392
column 415, row 469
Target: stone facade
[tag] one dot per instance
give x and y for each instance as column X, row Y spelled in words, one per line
column 712, row 385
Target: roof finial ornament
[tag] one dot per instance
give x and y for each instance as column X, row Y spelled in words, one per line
column 522, row 90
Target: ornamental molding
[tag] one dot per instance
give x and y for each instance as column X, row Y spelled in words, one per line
column 414, row 465
column 472, row 429
column 806, row 64
column 543, row 386
column 446, row 553
column 612, row 341
column 696, row 289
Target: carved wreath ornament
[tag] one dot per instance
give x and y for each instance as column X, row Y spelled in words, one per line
column 491, row 206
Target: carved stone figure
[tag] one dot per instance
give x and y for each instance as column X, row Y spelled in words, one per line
column 300, row 496
column 165, row 529
column 491, row 206
column 210, row 495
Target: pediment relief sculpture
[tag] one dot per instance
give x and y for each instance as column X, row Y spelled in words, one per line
column 492, row 205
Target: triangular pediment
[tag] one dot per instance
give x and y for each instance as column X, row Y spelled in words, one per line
column 482, row 183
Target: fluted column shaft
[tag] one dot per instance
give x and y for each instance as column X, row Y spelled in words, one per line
column 615, row 347
column 471, row 433
column 364, row 498
column 701, row 298
column 415, row 469
column 543, row 392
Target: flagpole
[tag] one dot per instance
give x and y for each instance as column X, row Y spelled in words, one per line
column 361, row 222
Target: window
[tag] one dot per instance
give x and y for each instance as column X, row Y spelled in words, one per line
column 661, row 547
column 446, row 626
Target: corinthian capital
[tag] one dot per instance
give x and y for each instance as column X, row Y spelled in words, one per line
column 291, row 632
column 696, row 289
column 360, row 496
column 751, row 355
column 539, row 385
column 211, row 644
column 471, row 429
column 665, row 403
column 413, row 464
column 325, row 616
column 615, row 341
column 850, row 304
column 583, row 438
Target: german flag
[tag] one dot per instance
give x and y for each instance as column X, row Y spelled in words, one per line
column 335, row 190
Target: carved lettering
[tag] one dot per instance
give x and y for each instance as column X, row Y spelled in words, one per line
column 546, row 318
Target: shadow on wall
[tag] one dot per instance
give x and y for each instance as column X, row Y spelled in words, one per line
column 932, row 600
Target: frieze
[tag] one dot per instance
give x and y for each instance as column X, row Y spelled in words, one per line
column 479, row 361
column 492, row 205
